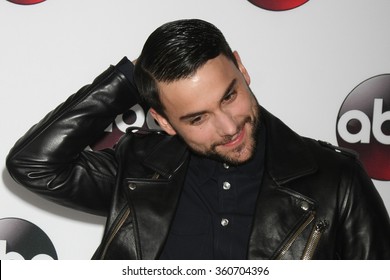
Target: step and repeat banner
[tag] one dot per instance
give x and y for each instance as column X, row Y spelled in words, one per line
column 322, row 66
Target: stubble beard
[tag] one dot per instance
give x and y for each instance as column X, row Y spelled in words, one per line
column 250, row 146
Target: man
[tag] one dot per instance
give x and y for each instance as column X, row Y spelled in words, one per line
column 225, row 180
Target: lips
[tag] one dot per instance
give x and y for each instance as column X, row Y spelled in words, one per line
column 237, row 140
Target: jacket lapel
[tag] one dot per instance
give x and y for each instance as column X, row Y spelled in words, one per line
column 153, row 200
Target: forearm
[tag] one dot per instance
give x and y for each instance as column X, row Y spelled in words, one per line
column 50, row 149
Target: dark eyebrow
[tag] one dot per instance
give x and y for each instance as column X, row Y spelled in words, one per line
column 227, row 92
column 192, row 115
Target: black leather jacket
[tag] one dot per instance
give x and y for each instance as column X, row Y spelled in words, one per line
column 315, row 201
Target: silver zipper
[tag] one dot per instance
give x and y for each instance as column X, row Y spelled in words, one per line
column 288, row 244
column 115, row 230
column 314, row 239
column 124, row 215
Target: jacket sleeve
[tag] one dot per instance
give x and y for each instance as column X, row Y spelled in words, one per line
column 364, row 231
column 51, row 158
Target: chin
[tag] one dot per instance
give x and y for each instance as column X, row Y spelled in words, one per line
column 234, row 158
column 236, row 161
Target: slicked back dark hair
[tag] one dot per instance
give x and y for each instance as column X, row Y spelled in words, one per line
column 176, row 50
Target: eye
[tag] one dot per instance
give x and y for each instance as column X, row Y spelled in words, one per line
column 197, row 120
column 229, row 97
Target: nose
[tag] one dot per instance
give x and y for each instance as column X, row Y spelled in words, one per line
column 225, row 124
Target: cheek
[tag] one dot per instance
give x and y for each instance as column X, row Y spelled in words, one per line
column 243, row 109
column 250, row 105
column 245, row 103
column 202, row 136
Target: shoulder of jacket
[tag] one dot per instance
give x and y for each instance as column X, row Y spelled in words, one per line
column 142, row 138
column 341, row 150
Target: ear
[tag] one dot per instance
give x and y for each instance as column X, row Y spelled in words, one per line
column 242, row 68
column 163, row 122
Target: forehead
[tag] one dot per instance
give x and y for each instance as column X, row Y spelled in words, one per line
column 203, row 89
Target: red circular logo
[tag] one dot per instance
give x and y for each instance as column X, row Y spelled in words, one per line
column 278, row 5
column 26, row 2
column 363, row 125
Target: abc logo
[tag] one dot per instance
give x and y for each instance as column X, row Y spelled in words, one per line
column 363, row 124
column 278, row 5
column 134, row 117
column 22, row 240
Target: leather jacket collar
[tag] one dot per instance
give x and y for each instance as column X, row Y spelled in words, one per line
column 285, row 162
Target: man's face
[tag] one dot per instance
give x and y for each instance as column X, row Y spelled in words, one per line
column 213, row 111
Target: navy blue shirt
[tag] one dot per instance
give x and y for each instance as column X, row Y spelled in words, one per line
column 215, row 211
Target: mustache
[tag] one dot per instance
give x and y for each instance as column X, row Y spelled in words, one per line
column 228, row 138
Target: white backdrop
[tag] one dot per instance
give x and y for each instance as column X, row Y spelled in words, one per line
column 303, row 64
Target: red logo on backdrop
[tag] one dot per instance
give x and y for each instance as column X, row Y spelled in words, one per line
column 363, row 124
column 26, row 2
column 278, row 5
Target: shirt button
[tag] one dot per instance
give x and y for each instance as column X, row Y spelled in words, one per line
column 224, row 222
column 226, row 166
column 226, row 186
